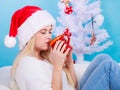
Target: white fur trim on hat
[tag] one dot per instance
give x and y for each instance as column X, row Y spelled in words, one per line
column 9, row 41
column 32, row 25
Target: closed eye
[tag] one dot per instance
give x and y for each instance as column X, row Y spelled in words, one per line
column 50, row 32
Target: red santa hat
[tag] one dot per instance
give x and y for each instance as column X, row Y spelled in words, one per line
column 25, row 23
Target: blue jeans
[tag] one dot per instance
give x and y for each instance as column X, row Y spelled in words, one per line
column 102, row 74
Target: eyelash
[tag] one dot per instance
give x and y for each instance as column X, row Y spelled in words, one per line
column 45, row 32
column 50, row 32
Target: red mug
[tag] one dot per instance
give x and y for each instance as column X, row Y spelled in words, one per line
column 64, row 37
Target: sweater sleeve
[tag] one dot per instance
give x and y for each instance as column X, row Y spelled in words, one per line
column 33, row 75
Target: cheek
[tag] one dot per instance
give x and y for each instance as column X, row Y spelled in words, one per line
column 38, row 42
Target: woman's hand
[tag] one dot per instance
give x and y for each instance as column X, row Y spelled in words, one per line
column 69, row 61
column 58, row 56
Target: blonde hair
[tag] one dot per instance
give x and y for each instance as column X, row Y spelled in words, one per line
column 28, row 50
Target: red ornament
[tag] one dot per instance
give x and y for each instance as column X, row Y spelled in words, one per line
column 68, row 9
column 93, row 39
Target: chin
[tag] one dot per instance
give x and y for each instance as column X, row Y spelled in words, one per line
column 45, row 48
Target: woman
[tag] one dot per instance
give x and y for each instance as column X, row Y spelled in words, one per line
column 38, row 66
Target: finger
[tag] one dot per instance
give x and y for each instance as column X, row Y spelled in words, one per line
column 70, row 53
column 56, row 45
column 63, row 48
column 67, row 51
column 60, row 45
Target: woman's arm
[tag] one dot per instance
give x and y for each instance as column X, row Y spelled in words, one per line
column 73, row 75
column 57, row 58
column 57, row 78
column 70, row 66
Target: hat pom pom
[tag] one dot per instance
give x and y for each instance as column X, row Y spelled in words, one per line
column 9, row 41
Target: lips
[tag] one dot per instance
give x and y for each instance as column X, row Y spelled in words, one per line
column 48, row 43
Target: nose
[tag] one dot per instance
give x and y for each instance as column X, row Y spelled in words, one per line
column 49, row 36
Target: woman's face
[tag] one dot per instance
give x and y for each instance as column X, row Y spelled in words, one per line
column 43, row 38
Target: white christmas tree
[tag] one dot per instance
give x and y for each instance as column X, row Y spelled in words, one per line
column 85, row 25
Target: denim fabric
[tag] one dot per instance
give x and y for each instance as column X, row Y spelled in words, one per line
column 102, row 74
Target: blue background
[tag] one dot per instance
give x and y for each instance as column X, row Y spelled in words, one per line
column 111, row 14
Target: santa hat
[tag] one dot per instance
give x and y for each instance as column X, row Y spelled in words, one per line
column 25, row 23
